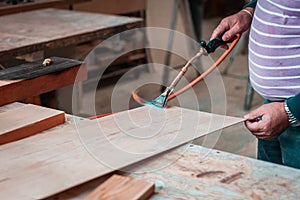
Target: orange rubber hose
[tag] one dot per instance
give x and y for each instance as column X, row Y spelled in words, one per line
column 191, row 84
column 208, row 71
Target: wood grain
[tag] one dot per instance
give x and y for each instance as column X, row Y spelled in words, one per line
column 15, row 90
column 43, row 29
column 46, row 164
column 122, row 187
column 26, row 121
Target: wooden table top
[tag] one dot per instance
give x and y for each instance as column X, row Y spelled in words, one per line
column 38, row 30
column 6, row 8
column 195, row 172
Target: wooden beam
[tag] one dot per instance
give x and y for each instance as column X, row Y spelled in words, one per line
column 64, row 157
column 15, row 90
column 26, row 121
column 122, row 187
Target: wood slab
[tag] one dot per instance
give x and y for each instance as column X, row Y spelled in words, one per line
column 122, row 187
column 15, row 90
column 46, row 164
column 26, row 121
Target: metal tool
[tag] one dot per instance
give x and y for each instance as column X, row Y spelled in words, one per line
column 162, row 100
column 47, row 62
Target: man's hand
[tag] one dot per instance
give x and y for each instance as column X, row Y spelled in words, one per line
column 232, row 25
column 267, row 121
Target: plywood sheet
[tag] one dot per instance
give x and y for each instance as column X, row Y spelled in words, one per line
column 26, row 121
column 46, row 164
column 122, row 187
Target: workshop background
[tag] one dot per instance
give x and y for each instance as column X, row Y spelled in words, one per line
column 76, row 151
column 194, row 18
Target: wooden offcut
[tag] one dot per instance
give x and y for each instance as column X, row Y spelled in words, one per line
column 61, row 158
column 26, row 121
column 37, row 82
column 119, row 187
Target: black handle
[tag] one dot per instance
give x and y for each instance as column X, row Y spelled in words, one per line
column 212, row 45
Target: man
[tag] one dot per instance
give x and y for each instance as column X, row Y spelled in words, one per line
column 274, row 70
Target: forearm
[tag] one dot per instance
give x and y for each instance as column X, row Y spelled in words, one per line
column 293, row 104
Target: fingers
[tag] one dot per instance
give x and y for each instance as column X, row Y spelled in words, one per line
column 254, row 115
column 231, row 33
column 268, row 121
column 224, row 46
column 258, row 129
column 232, row 25
column 255, row 127
column 221, row 28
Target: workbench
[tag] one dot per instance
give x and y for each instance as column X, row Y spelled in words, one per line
column 28, row 35
column 39, row 30
column 194, row 172
column 6, row 8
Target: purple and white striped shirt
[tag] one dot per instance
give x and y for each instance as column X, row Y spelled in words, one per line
column 274, row 49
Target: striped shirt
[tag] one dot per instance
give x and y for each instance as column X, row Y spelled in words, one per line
column 274, row 49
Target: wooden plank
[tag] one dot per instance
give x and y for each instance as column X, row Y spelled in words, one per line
column 18, row 37
column 122, row 187
column 74, row 154
column 26, row 121
column 15, row 90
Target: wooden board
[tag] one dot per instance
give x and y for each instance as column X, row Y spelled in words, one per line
column 43, row 29
column 45, row 164
column 122, row 187
column 26, row 121
column 15, row 90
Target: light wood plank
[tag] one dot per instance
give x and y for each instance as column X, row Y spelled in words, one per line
column 122, row 187
column 26, row 121
column 45, row 164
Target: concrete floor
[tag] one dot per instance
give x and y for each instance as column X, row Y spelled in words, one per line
column 236, row 139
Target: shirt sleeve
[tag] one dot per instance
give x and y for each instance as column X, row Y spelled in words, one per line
column 251, row 4
column 293, row 104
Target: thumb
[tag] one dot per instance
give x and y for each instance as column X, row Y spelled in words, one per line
column 253, row 115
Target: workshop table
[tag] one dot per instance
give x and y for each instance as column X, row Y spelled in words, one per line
column 195, row 172
column 39, row 30
column 6, row 8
